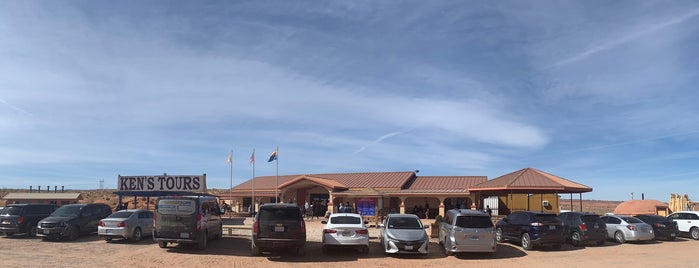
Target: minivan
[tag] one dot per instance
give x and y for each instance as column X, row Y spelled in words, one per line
column 464, row 230
column 70, row 221
column 187, row 220
column 278, row 226
column 22, row 218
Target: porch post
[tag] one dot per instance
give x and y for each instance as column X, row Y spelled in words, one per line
column 331, row 205
column 441, row 205
column 402, row 204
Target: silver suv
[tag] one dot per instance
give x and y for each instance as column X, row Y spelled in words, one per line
column 687, row 222
column 467, row 231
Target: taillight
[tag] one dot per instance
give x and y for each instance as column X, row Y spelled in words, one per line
column 631, row 227
column 20, row 220
column 329, row 231
column 660, row 225
column 198, row 222
column 122, row 224
column 255, row 227
column 536, row 224
column 303, row 227
column 101, row 224
column 583, row 227
column 362, row 231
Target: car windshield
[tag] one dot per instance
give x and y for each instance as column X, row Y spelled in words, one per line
column 404, row 223
column 631, row 220
column 547, row 218
column 120, row 215
column 474, row 222
column 67, row 211
column 280, row 214
column 345, row 220
column 12, row 211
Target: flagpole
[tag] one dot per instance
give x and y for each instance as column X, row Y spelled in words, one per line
column 252, row 204
column 230, row 190
column 276, row 187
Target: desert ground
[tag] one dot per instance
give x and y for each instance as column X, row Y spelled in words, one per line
column 234, row 251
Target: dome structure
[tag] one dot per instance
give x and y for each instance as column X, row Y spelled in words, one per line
column 636, row 207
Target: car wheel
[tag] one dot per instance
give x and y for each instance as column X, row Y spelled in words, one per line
column 73, row 233
column 203, row 241
column 136, row 236
column 575, row 239
column 619, row 237
column 255, row 250
column 527, row 242
column 498, row 235
column 694, row 232
column 446, row 248
column 162, row 244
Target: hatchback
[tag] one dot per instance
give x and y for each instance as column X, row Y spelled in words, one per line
column 130, row 224
column 531, row 229
column 465, row 230
column 345, row 230
column 663, row 227
column 278, row 227
column 582, row 227
column 404, row 233
column 627, row 228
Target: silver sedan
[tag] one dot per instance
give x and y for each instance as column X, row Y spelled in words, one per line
column 627, row 228
column 130, row 224
column 404, row 233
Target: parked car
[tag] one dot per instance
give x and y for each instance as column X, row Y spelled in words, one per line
column 278, row 226
column 627, row 228
column 72, row 220
column 345, row 230
column 531, row 229
column 403, row 233
column 687, row 223
column 662, row 226
column 464, row 230
column 130, row 224
column 187, row 220
column 22, row 218
column 583, row 227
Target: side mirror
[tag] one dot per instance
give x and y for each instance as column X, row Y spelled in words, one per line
column 381, row 225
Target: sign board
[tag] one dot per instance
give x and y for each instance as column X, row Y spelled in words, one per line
column 366, row 206
column 165, row 182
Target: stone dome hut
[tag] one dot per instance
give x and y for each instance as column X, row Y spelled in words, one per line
column 648, row 206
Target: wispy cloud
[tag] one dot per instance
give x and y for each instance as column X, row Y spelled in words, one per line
column 13, row 107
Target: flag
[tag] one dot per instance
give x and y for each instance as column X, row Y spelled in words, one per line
column 273, row 156
column 230, row 158
column 252, row 157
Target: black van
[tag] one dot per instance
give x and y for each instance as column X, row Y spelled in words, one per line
column 22, row 218
column 187, row 220
column 73, row 220
column 278, row 226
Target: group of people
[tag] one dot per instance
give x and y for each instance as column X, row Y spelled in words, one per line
column 315, row 209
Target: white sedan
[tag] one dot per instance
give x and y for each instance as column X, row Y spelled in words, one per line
column 345, row 230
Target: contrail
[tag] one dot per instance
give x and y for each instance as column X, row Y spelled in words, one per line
column 380, row 139
column 15, row 107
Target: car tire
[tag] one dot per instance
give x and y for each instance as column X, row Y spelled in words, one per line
column 255, row 250
column 527, row 242
column 498, row 235
column 73, row 232
column 694, row 233
column 136, row 236
column 575, row 239
column 203, row 241
column 162, row 244
column 446, row 248
column 619, row 237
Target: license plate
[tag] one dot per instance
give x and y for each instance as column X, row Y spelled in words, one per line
column 184, row 235
column 108, row 231
column 673, row 234
column 47, row 231
column 552, row 227
column 596, row 226
column 279, row 229
column 347, row 233
column 409, row 247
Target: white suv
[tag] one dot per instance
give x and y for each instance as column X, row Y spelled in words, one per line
column 687, row 222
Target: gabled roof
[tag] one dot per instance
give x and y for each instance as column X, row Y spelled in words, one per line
column 42, row 196
column 334, row 185
column 531, row 180
column 378, row 180
column 445, row 182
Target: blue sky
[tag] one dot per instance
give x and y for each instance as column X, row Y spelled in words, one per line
column 602, row 93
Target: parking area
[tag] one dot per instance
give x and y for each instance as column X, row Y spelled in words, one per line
column 234, row 251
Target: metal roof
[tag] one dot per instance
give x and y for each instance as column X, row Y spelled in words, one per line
column 43, row 196
column 530, row 180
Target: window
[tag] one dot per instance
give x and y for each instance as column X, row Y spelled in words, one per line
column 404, row 223
column 692, row 216
column 546, row 218
column 473, row 222
column 280, row 214
column 120, row 215
column 345, row 220
column 632, row 220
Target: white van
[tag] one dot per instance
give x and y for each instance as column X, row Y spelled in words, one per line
column 187, row 220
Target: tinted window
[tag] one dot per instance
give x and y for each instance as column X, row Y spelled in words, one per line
column 345, row 220
column 12, row 211
column 692, row 216
column 631, row 220
column 546, row 218
column 404, row 223
column 474, row 221
column 120, row 214
column 67, row 211
column 280, row 214
column 589, row 218
column 674, row 216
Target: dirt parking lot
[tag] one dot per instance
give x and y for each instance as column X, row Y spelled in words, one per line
column 234, row 251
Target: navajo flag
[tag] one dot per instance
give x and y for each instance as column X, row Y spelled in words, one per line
column 273, row 156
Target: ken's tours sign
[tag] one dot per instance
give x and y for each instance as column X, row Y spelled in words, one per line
column 165, row 182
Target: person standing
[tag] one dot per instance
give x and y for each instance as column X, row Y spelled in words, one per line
column 488, row 210
column 306, row 208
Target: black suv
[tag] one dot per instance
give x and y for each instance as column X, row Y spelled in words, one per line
column 22, row 218
column 583, row 227
column 662, row 226
column 531, row 229
column 278, row 226
column 73, row 220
